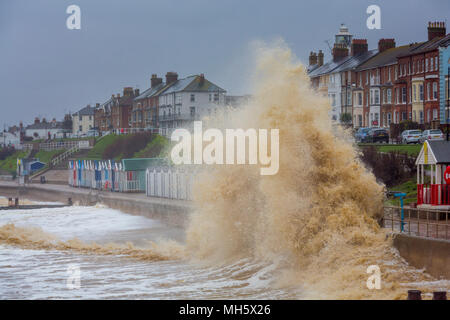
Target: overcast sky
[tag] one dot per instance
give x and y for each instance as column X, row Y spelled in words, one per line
column 47, row 70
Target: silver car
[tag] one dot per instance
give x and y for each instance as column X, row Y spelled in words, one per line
column 433, row 134
column 411, row 136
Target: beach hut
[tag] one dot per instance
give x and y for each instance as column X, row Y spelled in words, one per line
column 433, row 175
column 133, row 174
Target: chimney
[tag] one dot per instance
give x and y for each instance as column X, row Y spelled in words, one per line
column 202, row 79
column 384, row 44
column 436, row 29
column 312, row 58
column 171, row 77
column 54, row 120
column 339, row 51
column 320, row 58
column 118, row 96
column 113, row 96
column 154, row 80
column 97, row 105
column 127, row 91
column 44, row 120
column 359, row 46
column 36, row 120
column 136, row 92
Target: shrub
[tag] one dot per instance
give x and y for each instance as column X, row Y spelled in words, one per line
column 127, row 146
column 391, row 168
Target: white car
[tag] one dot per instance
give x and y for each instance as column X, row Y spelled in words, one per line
column 433, row 134
column 411, row 136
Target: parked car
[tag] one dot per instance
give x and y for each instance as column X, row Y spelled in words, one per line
column 378, row 135
column 411, row 136
column 433, row 134
column 92, row 133
column 361, row 134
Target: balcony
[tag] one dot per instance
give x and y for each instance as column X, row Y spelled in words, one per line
column 186, row 117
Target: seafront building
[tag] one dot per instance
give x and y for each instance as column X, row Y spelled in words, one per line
column 374, row 88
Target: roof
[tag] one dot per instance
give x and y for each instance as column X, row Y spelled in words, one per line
column 355, row 61
column 150, row 91
column 45, row 125
column 434, row 152
column 386, row 57
column 193, row 84
column 441, row 150
column 86, row 111
column 141, row 164
column 328, row 67
column 430, row 45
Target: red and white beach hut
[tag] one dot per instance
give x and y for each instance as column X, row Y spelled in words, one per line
column 433, row 175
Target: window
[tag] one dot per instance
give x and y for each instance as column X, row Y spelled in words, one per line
column 396, row 72
column 428, row 115
column 435, row 91
column 377, row 97
column 80, row 118
column 333, row 99
column 210, row 99
column 80, row 128
column 192, row 97
column 413, row 67
column 192, row 111
column 389, row 95
column 421, row 91
column 426, row 65
column 428, row 91
column 414, row 116
column 415, row 93
column 435, row 114
column 360, row 98
column 435, row 63
column 403, row 95
column 421, row 116
column 389, row 118
column 216, row 97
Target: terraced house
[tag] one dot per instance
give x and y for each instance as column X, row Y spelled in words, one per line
column 387, row 85
column 418, row 77
column 144, row 114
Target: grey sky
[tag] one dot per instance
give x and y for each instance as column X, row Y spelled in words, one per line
column 47, row 70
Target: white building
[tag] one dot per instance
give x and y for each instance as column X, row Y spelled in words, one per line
column 83, row 120
column 9, row 139
column 187, row 100
column 45, row 130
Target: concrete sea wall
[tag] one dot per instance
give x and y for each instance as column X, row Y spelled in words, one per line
column 172, row 212
column 431, row 254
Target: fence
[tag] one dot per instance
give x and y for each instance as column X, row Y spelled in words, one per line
column 103, row 175
column 50, row 146
column 169, row 183
column 418, row 222
column 434, row 194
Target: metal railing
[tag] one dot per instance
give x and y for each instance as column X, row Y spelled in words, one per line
column 64, row 155
column 418, row 222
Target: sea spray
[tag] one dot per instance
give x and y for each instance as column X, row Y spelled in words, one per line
column 318, row 213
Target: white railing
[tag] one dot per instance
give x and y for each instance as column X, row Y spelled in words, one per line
column 64, row 155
